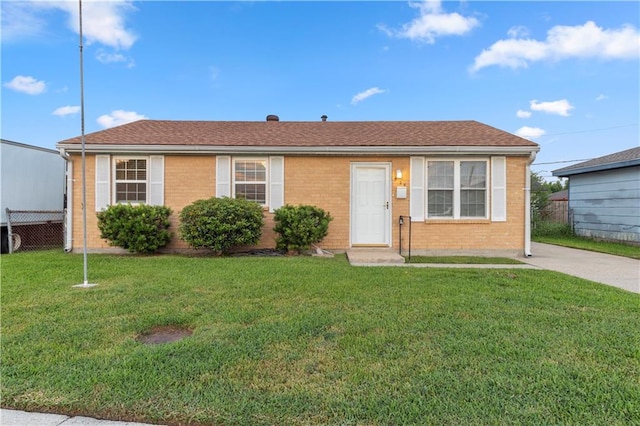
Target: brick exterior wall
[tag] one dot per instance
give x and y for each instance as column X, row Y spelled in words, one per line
column 477, row 236
column 323, row 182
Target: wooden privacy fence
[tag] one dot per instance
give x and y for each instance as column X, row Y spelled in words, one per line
column 557, row 211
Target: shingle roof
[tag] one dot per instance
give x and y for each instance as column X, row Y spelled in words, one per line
column 626, row 158
column 304, row 134
column 559, row 196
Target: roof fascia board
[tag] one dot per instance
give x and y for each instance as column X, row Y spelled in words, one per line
column 598, row 168
column 313, row 150
column 33, row 147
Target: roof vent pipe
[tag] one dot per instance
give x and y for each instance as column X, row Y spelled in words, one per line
column 272, row 117
column 324, row 118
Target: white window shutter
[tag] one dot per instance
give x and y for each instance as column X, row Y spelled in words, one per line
column 417, row 201
column 276, row 183
column 103, row 182
column 498, row 189
column 223, row 176
column 156, row 180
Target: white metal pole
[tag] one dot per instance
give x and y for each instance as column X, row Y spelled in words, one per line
column 84, row 171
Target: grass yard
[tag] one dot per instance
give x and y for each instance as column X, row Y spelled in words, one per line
column 299, row 340
column 573, row 241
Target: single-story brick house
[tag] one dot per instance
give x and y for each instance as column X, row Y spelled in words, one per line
column 464, row 184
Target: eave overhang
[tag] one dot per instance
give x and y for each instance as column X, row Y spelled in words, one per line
column 297, row 150
column 596, row 168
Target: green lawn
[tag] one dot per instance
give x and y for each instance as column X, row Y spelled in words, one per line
column 300, row 340
column 573, row 241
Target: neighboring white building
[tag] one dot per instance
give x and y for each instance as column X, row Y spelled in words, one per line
column 604, row 196
column 33, row 178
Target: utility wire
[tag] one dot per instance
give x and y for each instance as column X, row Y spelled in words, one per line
column 592, row 130
column 558, row 162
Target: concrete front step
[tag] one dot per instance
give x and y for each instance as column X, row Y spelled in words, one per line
column 369, row 256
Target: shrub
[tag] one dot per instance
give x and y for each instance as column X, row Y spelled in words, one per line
column 139, row 229
column 551, row 229
column 300, row 226
column 220, row 224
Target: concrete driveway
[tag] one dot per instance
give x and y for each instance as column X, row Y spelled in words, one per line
column 616, row 271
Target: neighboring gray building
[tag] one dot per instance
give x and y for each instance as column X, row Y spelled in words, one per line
column 604, row 196
column 33, row 179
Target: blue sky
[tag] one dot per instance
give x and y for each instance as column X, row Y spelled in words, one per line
column 563, row 74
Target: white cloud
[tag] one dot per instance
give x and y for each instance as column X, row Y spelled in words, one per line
column 519, row 31
column 20, row 20
column 26, row 84
column 563, row 42
column 107, row 58
column 66, row 110
column 561, row 107
column 601, row 97
column 523, row 114
column 103, row 22
column 530, row 132
column 366, row 94
column 110, row 58
column 433, row 22
column 214, row 72
column 119, row 117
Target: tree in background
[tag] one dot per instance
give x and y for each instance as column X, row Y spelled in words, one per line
column 540, row 214
column 540, row 192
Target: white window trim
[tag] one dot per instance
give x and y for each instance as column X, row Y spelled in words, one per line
column 457, row 189
column 114, row 160
column 266, row 177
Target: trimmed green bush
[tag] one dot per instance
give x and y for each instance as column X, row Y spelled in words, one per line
column 300, row 226
column 221, row 224
column 139, row 229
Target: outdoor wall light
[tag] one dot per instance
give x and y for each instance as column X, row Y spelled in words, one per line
column 398, row 174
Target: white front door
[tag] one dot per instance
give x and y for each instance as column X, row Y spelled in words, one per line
column 370, row 204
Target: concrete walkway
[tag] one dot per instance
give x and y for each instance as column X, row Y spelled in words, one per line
column 616, row 271
column 23, row 418
column 374, row 257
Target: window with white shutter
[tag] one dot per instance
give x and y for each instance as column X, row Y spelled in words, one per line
column 499, row 189
column 416, row 201
column 129, row 179
column 103, row 180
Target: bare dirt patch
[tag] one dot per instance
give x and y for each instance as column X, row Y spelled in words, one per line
column 164, row 334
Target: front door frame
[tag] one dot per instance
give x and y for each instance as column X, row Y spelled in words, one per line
column 387, row 240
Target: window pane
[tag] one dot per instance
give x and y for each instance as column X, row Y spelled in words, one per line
column 440, row 203
column 251, row 171
column 472, row 203
column 440, row 174
column 131, row 169
column 131, row 192
column 473, row 174
column 252, row 192
column 130, row 181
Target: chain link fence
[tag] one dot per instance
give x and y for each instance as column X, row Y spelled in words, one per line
column 33, row 230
